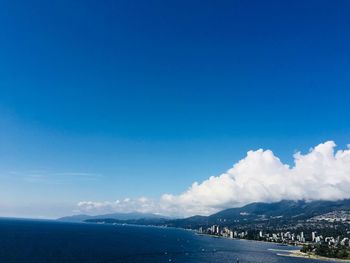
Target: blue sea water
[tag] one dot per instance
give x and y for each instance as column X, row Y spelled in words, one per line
column 30, row 241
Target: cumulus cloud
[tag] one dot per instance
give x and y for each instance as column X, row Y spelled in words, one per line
column 321, row 174
column 142, row 204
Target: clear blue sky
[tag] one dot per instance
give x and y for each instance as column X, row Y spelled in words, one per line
column 101, row 100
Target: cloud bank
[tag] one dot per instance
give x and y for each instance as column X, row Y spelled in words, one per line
column 321, row 174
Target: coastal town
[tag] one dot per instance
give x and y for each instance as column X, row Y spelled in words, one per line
column 311, row 242
column 278, row 237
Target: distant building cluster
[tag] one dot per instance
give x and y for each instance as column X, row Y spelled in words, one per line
column 335, row 216
column 287, row 237
column 223, row 232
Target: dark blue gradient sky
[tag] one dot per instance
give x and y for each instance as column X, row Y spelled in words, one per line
column 102, row 100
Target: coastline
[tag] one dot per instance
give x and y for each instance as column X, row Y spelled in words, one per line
column 286, row 253
column 244, row 239
column 299, row 254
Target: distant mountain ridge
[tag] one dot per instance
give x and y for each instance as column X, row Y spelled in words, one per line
column 116, row 216
column 278, row 213
column 285, row 208
column 285, row 211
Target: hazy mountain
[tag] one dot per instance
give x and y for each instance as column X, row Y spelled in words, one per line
column 117, row 216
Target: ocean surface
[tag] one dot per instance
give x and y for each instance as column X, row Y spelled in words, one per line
column 31, row 241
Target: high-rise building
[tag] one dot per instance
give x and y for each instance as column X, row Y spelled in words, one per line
column 313, row 236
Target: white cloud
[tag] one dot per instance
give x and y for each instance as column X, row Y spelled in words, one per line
column 321, row 174
column 142, row 204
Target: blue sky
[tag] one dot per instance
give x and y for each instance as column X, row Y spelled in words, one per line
column 102, row 101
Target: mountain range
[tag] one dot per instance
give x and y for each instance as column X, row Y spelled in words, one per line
column 278, row 213
column 283, row 212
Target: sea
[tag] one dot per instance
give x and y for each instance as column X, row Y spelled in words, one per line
column 40, row 241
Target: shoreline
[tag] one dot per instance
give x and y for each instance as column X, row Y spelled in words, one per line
column 299, row 254
column 250, row 240
column 296, row 253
